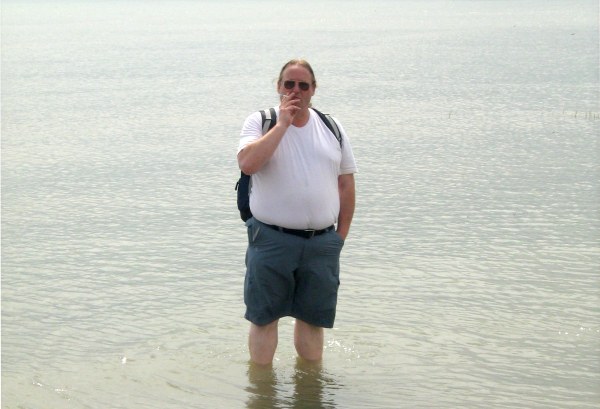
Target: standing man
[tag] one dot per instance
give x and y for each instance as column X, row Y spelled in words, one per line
column 302, row 187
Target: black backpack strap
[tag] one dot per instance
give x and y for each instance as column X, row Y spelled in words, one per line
column 331, row 124
column 244, row 184
column 269, row 119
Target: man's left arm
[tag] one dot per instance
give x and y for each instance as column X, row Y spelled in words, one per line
column 347, row 203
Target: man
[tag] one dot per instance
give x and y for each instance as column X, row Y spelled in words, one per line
column 302, row 186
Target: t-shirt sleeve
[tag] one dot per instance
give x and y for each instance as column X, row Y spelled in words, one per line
column 348, row 163
column 251, row 130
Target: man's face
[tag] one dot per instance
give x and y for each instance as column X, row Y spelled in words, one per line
column 297, row 80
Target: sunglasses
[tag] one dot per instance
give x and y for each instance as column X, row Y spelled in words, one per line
column 304, row 86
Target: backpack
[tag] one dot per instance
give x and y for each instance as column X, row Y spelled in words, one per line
column 269, row 119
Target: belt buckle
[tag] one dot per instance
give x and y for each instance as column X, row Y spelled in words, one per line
column 310, row 233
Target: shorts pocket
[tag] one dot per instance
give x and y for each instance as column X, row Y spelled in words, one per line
column 253, row 229
column 339, row 238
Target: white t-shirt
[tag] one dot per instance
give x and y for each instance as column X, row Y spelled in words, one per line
column 298, row 187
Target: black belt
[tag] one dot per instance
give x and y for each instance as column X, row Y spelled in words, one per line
column 307, row 234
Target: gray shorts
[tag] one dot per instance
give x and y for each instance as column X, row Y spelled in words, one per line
column 287, row 275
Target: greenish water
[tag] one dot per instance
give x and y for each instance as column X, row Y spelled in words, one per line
column 469, row 279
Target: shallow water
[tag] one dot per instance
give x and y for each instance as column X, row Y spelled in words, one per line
column 470, row 278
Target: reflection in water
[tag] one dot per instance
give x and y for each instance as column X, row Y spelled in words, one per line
column 261, row 388
column 312, row 387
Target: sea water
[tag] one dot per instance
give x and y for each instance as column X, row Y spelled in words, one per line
column 470, row 277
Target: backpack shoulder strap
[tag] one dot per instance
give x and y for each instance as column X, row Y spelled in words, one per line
column 244, row 184
column 331, row 124
column 269, row 119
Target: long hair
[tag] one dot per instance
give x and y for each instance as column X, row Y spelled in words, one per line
column 302, row 63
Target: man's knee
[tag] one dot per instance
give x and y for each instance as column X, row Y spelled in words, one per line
column 262, row 342
column 264, row 333
column 308, row 340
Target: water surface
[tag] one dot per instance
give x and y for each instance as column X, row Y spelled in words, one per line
column 470, row 278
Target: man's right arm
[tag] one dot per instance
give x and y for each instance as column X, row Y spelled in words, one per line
column 254, row 155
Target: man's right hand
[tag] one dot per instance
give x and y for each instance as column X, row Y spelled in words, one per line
column 289, row 107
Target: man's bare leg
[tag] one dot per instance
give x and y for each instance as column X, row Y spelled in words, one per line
column 262, row 342
column 308, row 340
